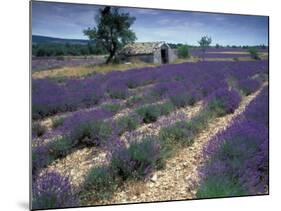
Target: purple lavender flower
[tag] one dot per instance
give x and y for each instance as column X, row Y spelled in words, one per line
column 239, row 155
column 223, row 101
column 248, row 86
column 51, row 190
column 117, row 89
column 138, row 160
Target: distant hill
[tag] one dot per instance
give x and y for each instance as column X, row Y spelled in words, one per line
column 38, row 39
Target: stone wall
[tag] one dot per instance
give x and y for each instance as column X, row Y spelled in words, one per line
column 148, row 58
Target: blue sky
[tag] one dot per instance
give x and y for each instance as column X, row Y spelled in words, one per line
column 69, row 20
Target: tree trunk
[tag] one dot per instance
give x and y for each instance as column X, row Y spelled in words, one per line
column 111, row 54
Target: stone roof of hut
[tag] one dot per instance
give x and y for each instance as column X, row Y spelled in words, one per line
column 141, row 48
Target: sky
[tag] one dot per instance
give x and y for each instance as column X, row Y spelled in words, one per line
column 69, row 20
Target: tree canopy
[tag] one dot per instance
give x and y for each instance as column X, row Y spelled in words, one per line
column 205, row 42
column 112, row 31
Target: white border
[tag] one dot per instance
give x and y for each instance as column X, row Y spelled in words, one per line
column 15, row 102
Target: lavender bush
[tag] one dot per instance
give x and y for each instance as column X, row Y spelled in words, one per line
column 258, row 110
column 127, row 123
column 248, row 86
column 38, row 129
column 138, row 160
column 223, row 101
column 149, row 113
column 117, row 89
column 182, row 99
column 51, row 190
column 183, row 133
column 61, row 146
column 91, row 132
column 40, row 158
column 99, row 184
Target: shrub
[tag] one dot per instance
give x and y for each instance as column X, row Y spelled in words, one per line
column 61, row 146
column 91, row 132
column 40, row 158
column 248, row 86
column 38, row 129
column 149, row 113
column 182, row 133
column 166, row 108
column 51, row 190
column 258, row 110
column 159, row 89
column 117, row 90
column 133, row 83
column 99, row 183
column 114, row 107
column 183, row 51
column 58, row 121
column 223, row 101
column 254, row 53
column 182, row 100
column 133, row 100
column 138, row 160
column 127, row 123
column 174, row 135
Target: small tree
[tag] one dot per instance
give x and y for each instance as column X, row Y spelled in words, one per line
column 183, row 51
column 217, row 45
column 254, row 53
column 112, row 31
column 205, row 43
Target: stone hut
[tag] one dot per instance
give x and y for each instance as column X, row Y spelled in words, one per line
column 150, row 52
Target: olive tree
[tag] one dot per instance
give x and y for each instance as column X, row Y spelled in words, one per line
column 204, row 43
column 112, row 30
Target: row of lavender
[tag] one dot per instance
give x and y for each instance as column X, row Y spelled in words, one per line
column 238, row 157
column 50, row 97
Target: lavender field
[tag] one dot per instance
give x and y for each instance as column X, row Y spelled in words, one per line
column 116, row 137
column 225, row 53
column 45, row 63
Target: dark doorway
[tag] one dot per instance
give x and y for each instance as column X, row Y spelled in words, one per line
column 164, row 56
